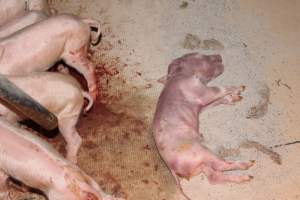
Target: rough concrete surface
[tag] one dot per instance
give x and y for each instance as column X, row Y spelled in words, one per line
column 259, row 43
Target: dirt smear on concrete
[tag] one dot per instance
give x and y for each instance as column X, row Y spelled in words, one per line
column 192, row 41
column 261, row 108
column 250, row 144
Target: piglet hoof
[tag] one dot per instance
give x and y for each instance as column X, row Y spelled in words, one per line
column 249, row 178
column 243, row 88
column 240, row 89
column 236, row 98
column 243, row 179
column 232, row 98
column 246, row 165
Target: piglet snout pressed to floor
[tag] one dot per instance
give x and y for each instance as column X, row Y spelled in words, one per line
column 176, row 124
column 32, row 161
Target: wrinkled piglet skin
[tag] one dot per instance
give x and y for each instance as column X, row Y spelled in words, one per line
column 176, row 124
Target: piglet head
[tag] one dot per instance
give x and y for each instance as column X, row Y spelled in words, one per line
column 205, row 67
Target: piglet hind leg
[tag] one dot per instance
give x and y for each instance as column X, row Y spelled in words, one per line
column 83, row 65
column 218, row 177
column 214, row 169
column 4, row 193
column 224, row 165
column 67, row 127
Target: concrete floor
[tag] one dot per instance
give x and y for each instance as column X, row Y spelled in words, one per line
column 258, row 40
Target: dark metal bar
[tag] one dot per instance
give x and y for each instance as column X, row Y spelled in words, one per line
column 21, row 103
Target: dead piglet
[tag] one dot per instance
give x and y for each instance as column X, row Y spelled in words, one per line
column 175, row 125
column 21, row 22
column 62, row 95
column 42, row 44
column 36, row 164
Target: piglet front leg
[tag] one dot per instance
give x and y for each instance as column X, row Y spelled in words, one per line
column 233, row 96
column 221, row 95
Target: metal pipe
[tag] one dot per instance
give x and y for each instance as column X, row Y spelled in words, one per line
column 18, row 101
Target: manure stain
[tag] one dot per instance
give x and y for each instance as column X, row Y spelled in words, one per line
column 250, row 144
column 192, row 41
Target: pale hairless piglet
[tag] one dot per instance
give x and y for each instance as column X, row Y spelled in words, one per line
column 12, row 9
column 62, row 95
column 35, row 163
column 39, row 46
column 176, row 124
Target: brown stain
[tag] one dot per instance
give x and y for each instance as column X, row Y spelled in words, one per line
column 274, row 156
column 184, row 5
column 128, row 155
column 192, row 41
column 89, row 144
column 261, row 108
column 280, row 83
column 184, row 147
column 249, row 144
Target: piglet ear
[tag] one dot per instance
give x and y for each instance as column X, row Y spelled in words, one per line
column 163, row 80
